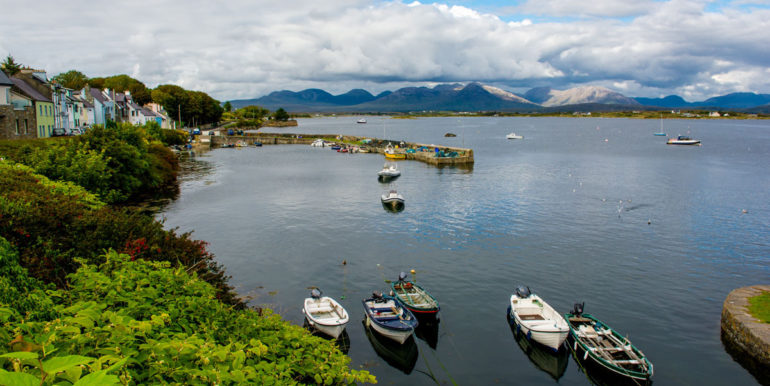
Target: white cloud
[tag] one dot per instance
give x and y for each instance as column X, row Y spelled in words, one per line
column 243, row 49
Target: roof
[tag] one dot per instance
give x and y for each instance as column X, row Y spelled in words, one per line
column 4, row 81
column 29, row 90
column 86, row 103
column 134, row 106
column 97, row 94
column 148, row 113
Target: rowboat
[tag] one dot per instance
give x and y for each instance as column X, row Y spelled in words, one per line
column 388, row 172
column 682, row 140
column 592, row 339
column 514, row 136
column 414, row 297
column 537, row 320
column 386, row 315
column 325, row 314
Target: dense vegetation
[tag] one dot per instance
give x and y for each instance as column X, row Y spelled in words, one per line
column 98, row 294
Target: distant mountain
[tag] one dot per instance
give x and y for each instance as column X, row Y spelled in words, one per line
column 739, row 100
column 579, row 95
column 764, row 109
column 316, row 99
column 671, row 101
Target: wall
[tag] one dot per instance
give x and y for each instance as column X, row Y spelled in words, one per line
column 8, row 119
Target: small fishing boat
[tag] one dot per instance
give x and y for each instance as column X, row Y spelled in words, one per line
column 363, row 149
column 388, row 172
column 319, row 142
column 450, row 135
column 336, row 147
column 537, row 320
column 392, row 200
column 660, row 133
column 414, row 297
column 257, row 144
column 325, row 314
column 386, row 315
column 514, row 136
column 240, row 143
column 682, row 140
column 362, row 120
column 391, row 153
column 592, row 339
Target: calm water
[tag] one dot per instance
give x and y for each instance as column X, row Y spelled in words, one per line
column 564, row 211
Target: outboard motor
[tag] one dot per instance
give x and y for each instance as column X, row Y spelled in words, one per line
column 315, row 293
column 402, row 276
column 523, row 292
column 377, row 296
column 577, row 310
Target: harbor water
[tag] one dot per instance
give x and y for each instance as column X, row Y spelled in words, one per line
column 652, row 237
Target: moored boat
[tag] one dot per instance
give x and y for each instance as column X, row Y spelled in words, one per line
column 514, row 136
column 392, row 153
column 414, row 297
column 386, row 315
column 388, row 172
column 392, row 200
column 325, row 314
column 362, row 120
column 319, row 142
column 537, row 320
column 682, row 140
column 591, row 339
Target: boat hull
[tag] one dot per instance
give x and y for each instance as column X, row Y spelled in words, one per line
column 388, row 317
column 399, row 336
column 333, row 331
column 326, row 315
column 683, row 142
column 395, row 156
column 538, row 321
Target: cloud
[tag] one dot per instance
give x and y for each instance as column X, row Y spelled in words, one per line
column 243, row 49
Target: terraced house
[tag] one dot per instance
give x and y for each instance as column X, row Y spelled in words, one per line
column 17, row 114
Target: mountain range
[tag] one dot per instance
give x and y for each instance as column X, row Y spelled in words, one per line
column 479, row 97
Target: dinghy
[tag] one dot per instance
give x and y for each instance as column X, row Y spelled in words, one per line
column 683, row 140
column 593, row 340
column 537, row 320
column 325, row 314
column 514, row 136
column 414, row 297
column 388, row 172
column 386, row 315
column 392, row 201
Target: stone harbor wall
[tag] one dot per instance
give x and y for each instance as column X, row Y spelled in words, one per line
column 746, row 338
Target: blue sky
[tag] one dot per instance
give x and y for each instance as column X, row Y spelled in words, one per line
column 248, row 48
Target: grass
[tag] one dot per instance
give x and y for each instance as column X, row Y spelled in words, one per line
column 759, row 307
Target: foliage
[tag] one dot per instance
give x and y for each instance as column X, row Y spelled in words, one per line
column 251, row 116
column 153, row 324
column 759, row 307
column 52, row 222
column 9, row 66
column 228, row 106
column 24, row 294
column 195, row 106
column 281, row 115
column 121, row 83
column 73, row 79
column 168, row 137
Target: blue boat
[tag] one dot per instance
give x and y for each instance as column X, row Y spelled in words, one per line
column 388, row 316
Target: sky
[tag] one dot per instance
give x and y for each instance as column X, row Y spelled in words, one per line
column 239, row 49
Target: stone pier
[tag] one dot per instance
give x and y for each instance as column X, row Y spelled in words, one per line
column 747, row 339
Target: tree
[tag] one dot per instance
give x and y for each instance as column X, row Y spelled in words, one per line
column 228, row 107
column 73, row 79
column 196, row 107
column 10, row 67
column 121, row 83
column 281, row 115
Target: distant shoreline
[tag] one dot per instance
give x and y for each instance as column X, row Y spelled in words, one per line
column 627, row 115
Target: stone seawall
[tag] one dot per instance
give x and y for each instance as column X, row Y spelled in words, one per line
column 745, row 338
column 428, row 155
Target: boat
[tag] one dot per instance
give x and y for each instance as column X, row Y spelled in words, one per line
column 325, row 314
column 391, row 153
column 393, row 201
column 514, row 136
column 386, row 315
column 363, row 149
column 591, row 339
column 362, row 120
column 414, row 297
column 388, row 172
column 336, row 147
column 257, row 144
column 450, row 135
column 319, row 142
column 660, row 133
column 683, row 140
column 240, row 143
column 537, row 320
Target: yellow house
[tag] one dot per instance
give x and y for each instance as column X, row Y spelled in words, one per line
column 43, row 107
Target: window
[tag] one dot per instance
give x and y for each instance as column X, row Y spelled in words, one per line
column 17, row 127
column 26, row 128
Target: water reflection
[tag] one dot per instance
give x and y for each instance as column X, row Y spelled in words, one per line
column 401, row 356
column 427, row 330
column 342, row 342
column 464, row 168
column 552, row 363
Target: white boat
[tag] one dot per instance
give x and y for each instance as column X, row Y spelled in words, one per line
column 389, row 317
column 537, row 320
column 325, row 314
column 393, row 200
column 362, row 120
column 318, row 143
column 514, row 136
column 682, row 140
column 388, row 171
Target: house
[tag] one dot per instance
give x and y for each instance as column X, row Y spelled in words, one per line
column 101, row 104
column 160, row 113
column 714, row 114
column 17, row 114
column 44, row 113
